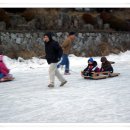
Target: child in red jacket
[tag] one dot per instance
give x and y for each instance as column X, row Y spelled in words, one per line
column 4, row 71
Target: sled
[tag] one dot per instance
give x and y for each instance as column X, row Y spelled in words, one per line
column 7, row 78
column 113, row 75
column 106, row 73
column 95, row 77
column 100, row 75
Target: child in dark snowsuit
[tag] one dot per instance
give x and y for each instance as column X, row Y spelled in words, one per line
column 92, row 67
column 106, row 65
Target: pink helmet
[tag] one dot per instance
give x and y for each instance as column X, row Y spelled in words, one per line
column 1, row 57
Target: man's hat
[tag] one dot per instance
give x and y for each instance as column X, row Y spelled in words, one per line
column 71, row 33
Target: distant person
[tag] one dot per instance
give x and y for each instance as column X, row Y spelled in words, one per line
column 92, row 67
column 66, row 46
column 106, row 65
column 53, row 55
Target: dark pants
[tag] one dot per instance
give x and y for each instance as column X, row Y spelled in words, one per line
column 64, row 61
column 109, row 69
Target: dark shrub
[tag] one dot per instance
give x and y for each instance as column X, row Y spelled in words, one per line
column 115, row 23
column 88, row 19
column 4, row 17
column 28, row 15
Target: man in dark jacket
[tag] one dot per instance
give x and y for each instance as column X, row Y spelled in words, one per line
column 53, row 55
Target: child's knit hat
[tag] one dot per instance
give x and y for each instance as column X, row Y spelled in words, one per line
column 90, row 59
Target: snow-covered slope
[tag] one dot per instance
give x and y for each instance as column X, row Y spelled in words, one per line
column 28, row 99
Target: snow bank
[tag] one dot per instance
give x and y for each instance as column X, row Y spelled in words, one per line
column 21, row 64
column 35, row 62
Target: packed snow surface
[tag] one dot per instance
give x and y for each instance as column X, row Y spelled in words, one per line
column 27, row 99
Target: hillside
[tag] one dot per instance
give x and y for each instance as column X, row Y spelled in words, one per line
column 65, row 19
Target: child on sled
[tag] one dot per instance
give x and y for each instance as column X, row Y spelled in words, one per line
column 106, row 65
column 91, row 68
column 4, row 71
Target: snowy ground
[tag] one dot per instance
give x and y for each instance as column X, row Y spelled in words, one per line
column 27, row 99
